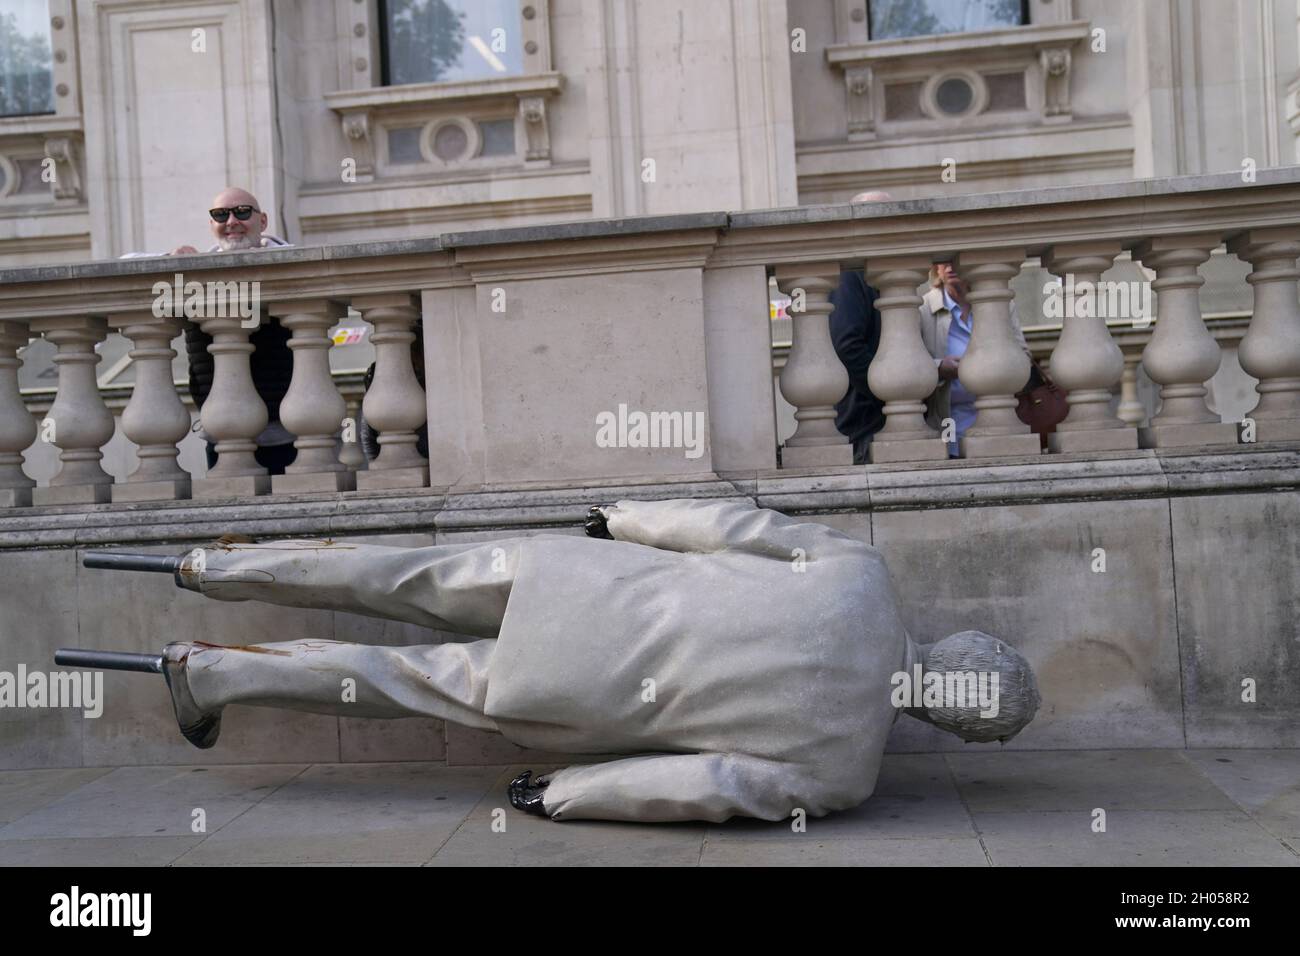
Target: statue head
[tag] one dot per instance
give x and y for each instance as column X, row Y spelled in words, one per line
column 1004, row 696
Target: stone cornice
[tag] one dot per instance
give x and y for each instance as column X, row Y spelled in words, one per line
column 1129, row 212
column 949, row 44
column 426, row 94
column 859, row 490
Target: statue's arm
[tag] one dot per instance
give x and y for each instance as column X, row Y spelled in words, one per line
column 673, row 788
column 691, row 525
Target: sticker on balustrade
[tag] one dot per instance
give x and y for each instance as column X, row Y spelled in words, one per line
column 349, row 336
column 214, row 299
column 1068, row 298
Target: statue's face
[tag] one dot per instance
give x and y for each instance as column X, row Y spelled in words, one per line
column 1007, row 691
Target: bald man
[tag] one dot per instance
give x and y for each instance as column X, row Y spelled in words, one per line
column 237, row 223
column 232, row 232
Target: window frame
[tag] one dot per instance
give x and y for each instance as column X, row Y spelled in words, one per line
column 385, row 72
column 1025, row 21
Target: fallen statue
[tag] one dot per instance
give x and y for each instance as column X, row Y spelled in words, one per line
column 745, row 662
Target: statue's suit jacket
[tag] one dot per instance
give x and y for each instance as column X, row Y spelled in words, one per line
column 740, row 658
column 752, row 651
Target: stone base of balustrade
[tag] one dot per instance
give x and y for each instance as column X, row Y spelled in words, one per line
column 1197, row 433
column 914, row 449
column 314, row 481
column 173, row 489
column 73, row 495
column 1093, row 439
column 381, row 479
column 816, row 456
column 233, row 487
column 15, row 497
column 999, row 446
column 1277, row 429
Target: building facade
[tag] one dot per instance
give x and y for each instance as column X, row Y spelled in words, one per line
column 382, row 119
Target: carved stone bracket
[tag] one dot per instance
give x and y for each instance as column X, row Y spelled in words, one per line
column 532, row 110
column 1055, row 62
column 861, row 111
column 356, row 127
column 67, row 177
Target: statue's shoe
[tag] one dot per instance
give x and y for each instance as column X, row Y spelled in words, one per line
column 526, row 794
column 200, row 727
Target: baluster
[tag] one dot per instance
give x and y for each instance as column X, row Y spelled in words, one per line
column 1270, row 350
column 81, row 422
column 352, row 454
column 1086, row 361
column 903, row 373
column 395, row 405
column 17, row 426
column 1182, row 355
column 312, row 409
column 994, row 367
column 233, row 414
column 814, row 378
column 155, row 418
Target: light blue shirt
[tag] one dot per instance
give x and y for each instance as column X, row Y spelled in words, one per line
column 961, row 402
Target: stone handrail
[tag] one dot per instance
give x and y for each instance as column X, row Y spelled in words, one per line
column 535, row 336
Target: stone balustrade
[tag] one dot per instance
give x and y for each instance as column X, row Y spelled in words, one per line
column 640, row 348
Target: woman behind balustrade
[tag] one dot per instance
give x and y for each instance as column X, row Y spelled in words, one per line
column 946, row 327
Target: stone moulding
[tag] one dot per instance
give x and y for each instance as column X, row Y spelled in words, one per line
column 1112, row 477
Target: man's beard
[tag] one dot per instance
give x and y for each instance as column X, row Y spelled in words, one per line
column 232, row 243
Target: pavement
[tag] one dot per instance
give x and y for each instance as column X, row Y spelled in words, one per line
column 1007, row 808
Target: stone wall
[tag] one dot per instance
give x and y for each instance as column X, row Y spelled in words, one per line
column 1199, row 593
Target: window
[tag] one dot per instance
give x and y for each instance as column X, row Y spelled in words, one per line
column 890, row 19
column 26, row 74
column 428, row 41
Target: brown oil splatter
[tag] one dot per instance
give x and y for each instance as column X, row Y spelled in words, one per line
column 251, row 648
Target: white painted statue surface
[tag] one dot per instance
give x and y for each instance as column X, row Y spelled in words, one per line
column 741, row 660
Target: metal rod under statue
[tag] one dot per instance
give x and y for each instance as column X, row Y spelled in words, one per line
column 739, row 661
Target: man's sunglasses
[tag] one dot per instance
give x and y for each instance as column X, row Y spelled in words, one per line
column 242, row 213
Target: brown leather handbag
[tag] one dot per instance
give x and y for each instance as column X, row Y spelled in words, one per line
column 1043, row 404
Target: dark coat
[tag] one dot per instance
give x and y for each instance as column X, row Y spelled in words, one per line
column 855, row 333
column 271, row 364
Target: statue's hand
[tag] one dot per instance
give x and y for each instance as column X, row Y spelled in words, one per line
column 597, row 525
column 527, row 796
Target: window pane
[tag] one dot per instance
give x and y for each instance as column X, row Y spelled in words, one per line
column 913, row 18
column 26, row 80
column 404, row 145
column 442, row 40
column 498, row 137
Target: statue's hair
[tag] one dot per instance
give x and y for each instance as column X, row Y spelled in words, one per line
column 1018, row 698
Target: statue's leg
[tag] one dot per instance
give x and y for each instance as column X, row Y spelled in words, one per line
column 457, row 587
column 448, row 681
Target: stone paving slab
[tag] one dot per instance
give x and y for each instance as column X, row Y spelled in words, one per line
column 355, row 813
column 1012, row 808
column 1264, row 783
column 1084, row 779
column 151, row 801
column 1131, row 838
column 803, row 850
column 527, row 840
column 22, row 791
